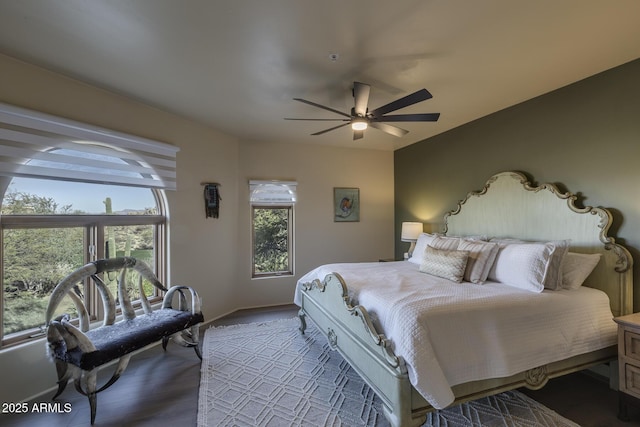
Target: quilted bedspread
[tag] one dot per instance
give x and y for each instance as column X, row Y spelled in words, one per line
column 450, row 333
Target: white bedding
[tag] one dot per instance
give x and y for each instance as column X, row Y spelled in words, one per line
column 497, row 330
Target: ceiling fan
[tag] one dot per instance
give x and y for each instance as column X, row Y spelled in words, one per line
column 361, row 118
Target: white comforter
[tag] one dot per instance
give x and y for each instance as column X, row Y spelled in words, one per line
column 450, row 333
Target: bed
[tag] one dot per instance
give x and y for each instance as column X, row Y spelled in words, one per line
column 416, row 330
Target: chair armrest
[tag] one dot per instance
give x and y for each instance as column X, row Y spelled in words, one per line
column 195, row 298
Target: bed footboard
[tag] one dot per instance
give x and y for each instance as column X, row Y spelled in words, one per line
column 350, row 331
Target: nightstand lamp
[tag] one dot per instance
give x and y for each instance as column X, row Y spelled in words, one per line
column 410, row 233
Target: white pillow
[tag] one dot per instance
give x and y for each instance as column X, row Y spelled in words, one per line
column 553, row 279
column 424, row 239
column 523, row 265
column 553, row 276
column 502, row 241
column 576, row 268
column 481, row 258
column 448, row 264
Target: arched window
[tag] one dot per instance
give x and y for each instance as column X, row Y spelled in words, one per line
column 68, row 203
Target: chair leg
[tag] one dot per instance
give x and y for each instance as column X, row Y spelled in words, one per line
column 61, row 386
column 64, row 373
column 87, row 385
column 194, row 332
column 191, row 339
column 123, row 362
column 93, row 403
column 91, row 381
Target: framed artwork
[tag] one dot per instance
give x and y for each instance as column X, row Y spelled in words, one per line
column 346, row 204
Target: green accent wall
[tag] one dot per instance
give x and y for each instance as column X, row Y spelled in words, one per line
column 584, row 137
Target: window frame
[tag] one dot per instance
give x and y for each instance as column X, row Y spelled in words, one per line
column 94, row 248
column 290, row 241
column 27, row 135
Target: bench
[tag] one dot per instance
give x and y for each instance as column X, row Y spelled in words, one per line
column 78, row 350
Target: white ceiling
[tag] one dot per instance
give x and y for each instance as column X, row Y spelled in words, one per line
column 237, row 64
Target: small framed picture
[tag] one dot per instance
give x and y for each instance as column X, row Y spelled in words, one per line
column 346, row 204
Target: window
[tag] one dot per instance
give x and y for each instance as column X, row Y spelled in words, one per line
column 73, row 193
column 49, row 228
column 272, row 248
column 272, row 221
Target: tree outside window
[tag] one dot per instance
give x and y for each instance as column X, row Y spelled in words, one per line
column 44, row 238
column 272, row 240
column 73, row 193
column 272, row 204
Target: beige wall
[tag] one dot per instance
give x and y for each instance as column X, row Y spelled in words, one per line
column 319, row 240
column 212, row 254
column 198, row 246
column 584, row 137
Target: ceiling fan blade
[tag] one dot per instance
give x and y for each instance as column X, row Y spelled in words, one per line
column 415, row 97
column 330, row 129
column 392, row 130
column 426, row 117
column 358, row 134
column 321, row 106
column 319, row 120
column 361, row 96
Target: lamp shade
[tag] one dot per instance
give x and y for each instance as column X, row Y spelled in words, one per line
column 410, row 231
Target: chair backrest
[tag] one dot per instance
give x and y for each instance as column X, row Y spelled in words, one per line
column 96, row 271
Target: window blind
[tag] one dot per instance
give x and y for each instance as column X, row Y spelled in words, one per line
column 272, row 192
column 39, row 145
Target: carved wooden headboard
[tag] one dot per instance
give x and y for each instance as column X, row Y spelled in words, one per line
column 509, row 206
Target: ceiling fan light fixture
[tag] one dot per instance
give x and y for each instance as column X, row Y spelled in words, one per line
column 360, row 115
column 359, row 124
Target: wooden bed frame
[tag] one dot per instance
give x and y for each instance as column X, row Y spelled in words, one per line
column 507, row 206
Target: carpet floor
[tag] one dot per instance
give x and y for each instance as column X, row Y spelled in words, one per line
column 268, row 374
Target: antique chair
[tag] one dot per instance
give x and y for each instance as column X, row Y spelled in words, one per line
column 78, row 351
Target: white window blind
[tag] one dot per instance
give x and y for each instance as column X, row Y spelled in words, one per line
column 38, row 145
column 272, row 192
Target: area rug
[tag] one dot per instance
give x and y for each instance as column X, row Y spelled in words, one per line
column 268, row 374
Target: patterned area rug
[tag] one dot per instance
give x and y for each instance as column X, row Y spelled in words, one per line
column 268, row 374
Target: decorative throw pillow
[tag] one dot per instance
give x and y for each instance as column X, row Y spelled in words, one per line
column 444, row 242
column 523, row 265
column 448, row 264
column 576, row 268
column 481, row 258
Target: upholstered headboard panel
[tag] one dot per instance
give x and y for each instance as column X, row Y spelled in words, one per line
column 509, row 206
